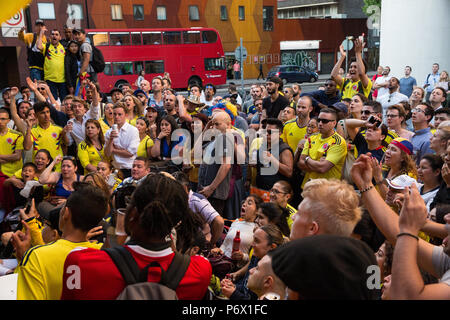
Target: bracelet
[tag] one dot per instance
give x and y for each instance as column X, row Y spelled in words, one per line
column 408, row 234
column 307, row 158
column 120, row 233
column 366, row 189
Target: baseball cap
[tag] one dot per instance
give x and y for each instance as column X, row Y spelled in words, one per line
column 136, row 92
column 151, row 107
column 340, row 107
column 39, row 21
column 6, row 89
column 401, row 182
column 79, row 30
column 403, row 144
column 324, row 267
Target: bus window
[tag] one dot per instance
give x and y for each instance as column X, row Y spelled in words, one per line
column 209, row 36
column 138, row 66
column 172, row 37
column 99, row 38
column 136, row 38
column 151, row 38
column 122, row 68
column 214, row 64
column 155, row 66
column 191, row 36
column 120, row 38
column 107, row 70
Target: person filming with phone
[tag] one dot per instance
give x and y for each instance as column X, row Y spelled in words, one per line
column 372, row 141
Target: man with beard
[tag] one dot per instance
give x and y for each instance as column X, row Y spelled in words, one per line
column 410, row 252
column 209, row 93
column 322, row 99
column 275, row 102
column 393, row 97
column 249, row 105
column 297, row 92
column 170, row 103
column 295, row 130
column 358, row 82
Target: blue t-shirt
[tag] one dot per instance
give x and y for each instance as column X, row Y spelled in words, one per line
column 407, row 85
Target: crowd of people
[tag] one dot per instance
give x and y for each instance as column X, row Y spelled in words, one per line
column 274, row 195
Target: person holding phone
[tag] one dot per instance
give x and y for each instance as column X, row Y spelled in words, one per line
column 374, row 139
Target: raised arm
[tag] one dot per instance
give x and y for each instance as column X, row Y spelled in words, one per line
column 49, row 177
column 14, row 115
column 335, row 72
column 359, row 46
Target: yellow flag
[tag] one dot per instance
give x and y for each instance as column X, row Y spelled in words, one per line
column 9, row 8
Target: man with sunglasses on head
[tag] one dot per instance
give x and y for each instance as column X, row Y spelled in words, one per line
column 208, row 97
column 324, row 154
column 322, row 99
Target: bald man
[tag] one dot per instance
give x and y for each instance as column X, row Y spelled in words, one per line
column 215, row 171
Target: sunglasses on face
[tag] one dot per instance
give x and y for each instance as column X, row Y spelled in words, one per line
column 324, row 121
column 367, row 112
column 41, row 89
column 391, row 115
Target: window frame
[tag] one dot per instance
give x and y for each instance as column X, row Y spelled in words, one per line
column 116, row 5
column 265, row 18
column 241, row 9
column 165, row 13
column 134, row 12
column 41, row 6
column 191, row 18
column 223, row 13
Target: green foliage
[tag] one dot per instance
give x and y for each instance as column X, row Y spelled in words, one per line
column 369, row 3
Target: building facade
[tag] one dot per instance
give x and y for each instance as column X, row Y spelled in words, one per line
column 256, row 22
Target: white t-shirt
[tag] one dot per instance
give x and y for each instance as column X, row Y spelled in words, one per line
column 382, row 91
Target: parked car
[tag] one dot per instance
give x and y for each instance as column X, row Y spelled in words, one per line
column 290, row 73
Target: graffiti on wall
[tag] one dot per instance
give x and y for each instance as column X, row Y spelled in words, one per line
column 303, row 58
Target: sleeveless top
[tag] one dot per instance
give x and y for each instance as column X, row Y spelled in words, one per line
column 59, row 188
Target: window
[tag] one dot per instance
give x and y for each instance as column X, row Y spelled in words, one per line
column 214, row 64
column 155, row 66
column 75, row 11
column 161, row 13
column 99, row 38
column 172, row 37
column 320, row 11
column 314, row 11
column 120, row 38
column 194, row 13
column 151, row 38
column 268, row 18
column 116, row 12
column 138, row 66
column 327, row 10
column 209, row 36
column 46, row 11
column 223, row 13
column 191, row 36
column 122, row 68
column 107, row 70
column 136, row 38
column 138, row 12
column 241, row 13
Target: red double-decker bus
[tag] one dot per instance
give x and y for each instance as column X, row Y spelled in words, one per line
column 188, row 54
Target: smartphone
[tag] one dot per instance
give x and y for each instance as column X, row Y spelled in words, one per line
column 374, row 121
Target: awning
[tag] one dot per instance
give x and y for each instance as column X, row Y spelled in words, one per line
column 300, row 45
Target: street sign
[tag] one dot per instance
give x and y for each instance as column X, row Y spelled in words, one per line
column 12, row 26
column 348, row 43
column 237, row 53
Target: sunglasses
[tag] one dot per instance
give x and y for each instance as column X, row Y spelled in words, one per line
column 324, row 121
column 275, row 191
column 391, row 115
column 367, row 112
column 41, row 89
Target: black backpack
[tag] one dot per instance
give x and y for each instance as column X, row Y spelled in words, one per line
column 98, row 61
column 137, row 287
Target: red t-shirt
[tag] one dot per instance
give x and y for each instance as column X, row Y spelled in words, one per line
column 91, row 274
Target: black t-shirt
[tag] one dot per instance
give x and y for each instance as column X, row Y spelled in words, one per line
column 274, row 108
